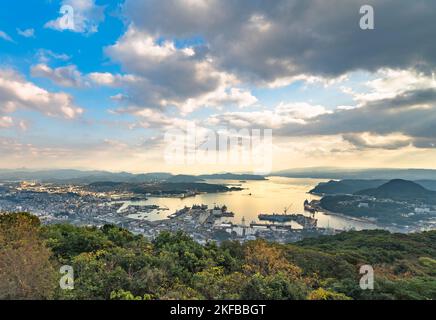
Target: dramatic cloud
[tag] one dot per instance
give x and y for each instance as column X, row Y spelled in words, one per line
column 171, row 76
column 17, row 93
column 397, row 109
column 397, row 101
column 86, row 16
column 266, row 41
column 356, row 95
column 242, row 44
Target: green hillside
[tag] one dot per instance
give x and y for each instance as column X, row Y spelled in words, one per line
column 345, row 186
column 112, row 263
column 401, row 190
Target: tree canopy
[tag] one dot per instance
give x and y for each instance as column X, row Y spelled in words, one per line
column 112, row 263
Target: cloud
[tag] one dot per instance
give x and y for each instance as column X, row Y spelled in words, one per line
column 111, row 80
column 369, row 141
column 86, row 16
column 282, row 115
column 390, row 83
column 260, row 44
column 273, row 42
column 27, row 33
column 70, row 76
column 152, row 118
column 406, row 107
column 5, row 36
column 377, row 118
column 395, row 110
column 6, row 122
column 18, row 93
column 45, row 55
column 67, row 76
column 170, row 76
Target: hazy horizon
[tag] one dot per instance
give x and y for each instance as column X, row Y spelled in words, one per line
column 303, row 169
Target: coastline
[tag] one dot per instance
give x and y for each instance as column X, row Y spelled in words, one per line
column 341, row 215
column 329, row 213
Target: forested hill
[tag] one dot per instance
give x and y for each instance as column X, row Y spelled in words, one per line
column 346, row 186
column 158, row 187
column 112, row 263
column 402, row 190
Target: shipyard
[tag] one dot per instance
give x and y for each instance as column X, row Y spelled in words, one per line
column 205, row 224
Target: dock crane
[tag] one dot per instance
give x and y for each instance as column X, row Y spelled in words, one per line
column 287, row 208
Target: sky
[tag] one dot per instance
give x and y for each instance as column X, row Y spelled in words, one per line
column 120, row 85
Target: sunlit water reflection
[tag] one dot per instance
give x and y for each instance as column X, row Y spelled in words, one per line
column 267, row 196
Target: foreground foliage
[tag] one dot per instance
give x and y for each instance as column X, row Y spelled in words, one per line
column 112, row 263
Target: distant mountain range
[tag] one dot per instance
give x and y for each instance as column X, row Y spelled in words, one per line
column 87, row 177
column 217, row 176
column 340, row 173
column 379, row 176
column 78, row 176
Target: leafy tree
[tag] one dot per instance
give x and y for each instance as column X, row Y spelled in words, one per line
column 112, row 263
column 266, row 259
column 181, row 291
column 124, row 238
column 213, row 283
column 322, row 294
column 67, row 241
column 180, row 255
column 26, row 271
column 123, row 295
column 275, row 287
column 429, row 264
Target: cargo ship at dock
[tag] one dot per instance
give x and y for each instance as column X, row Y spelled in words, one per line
column 304, row 221
column 275, row 217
